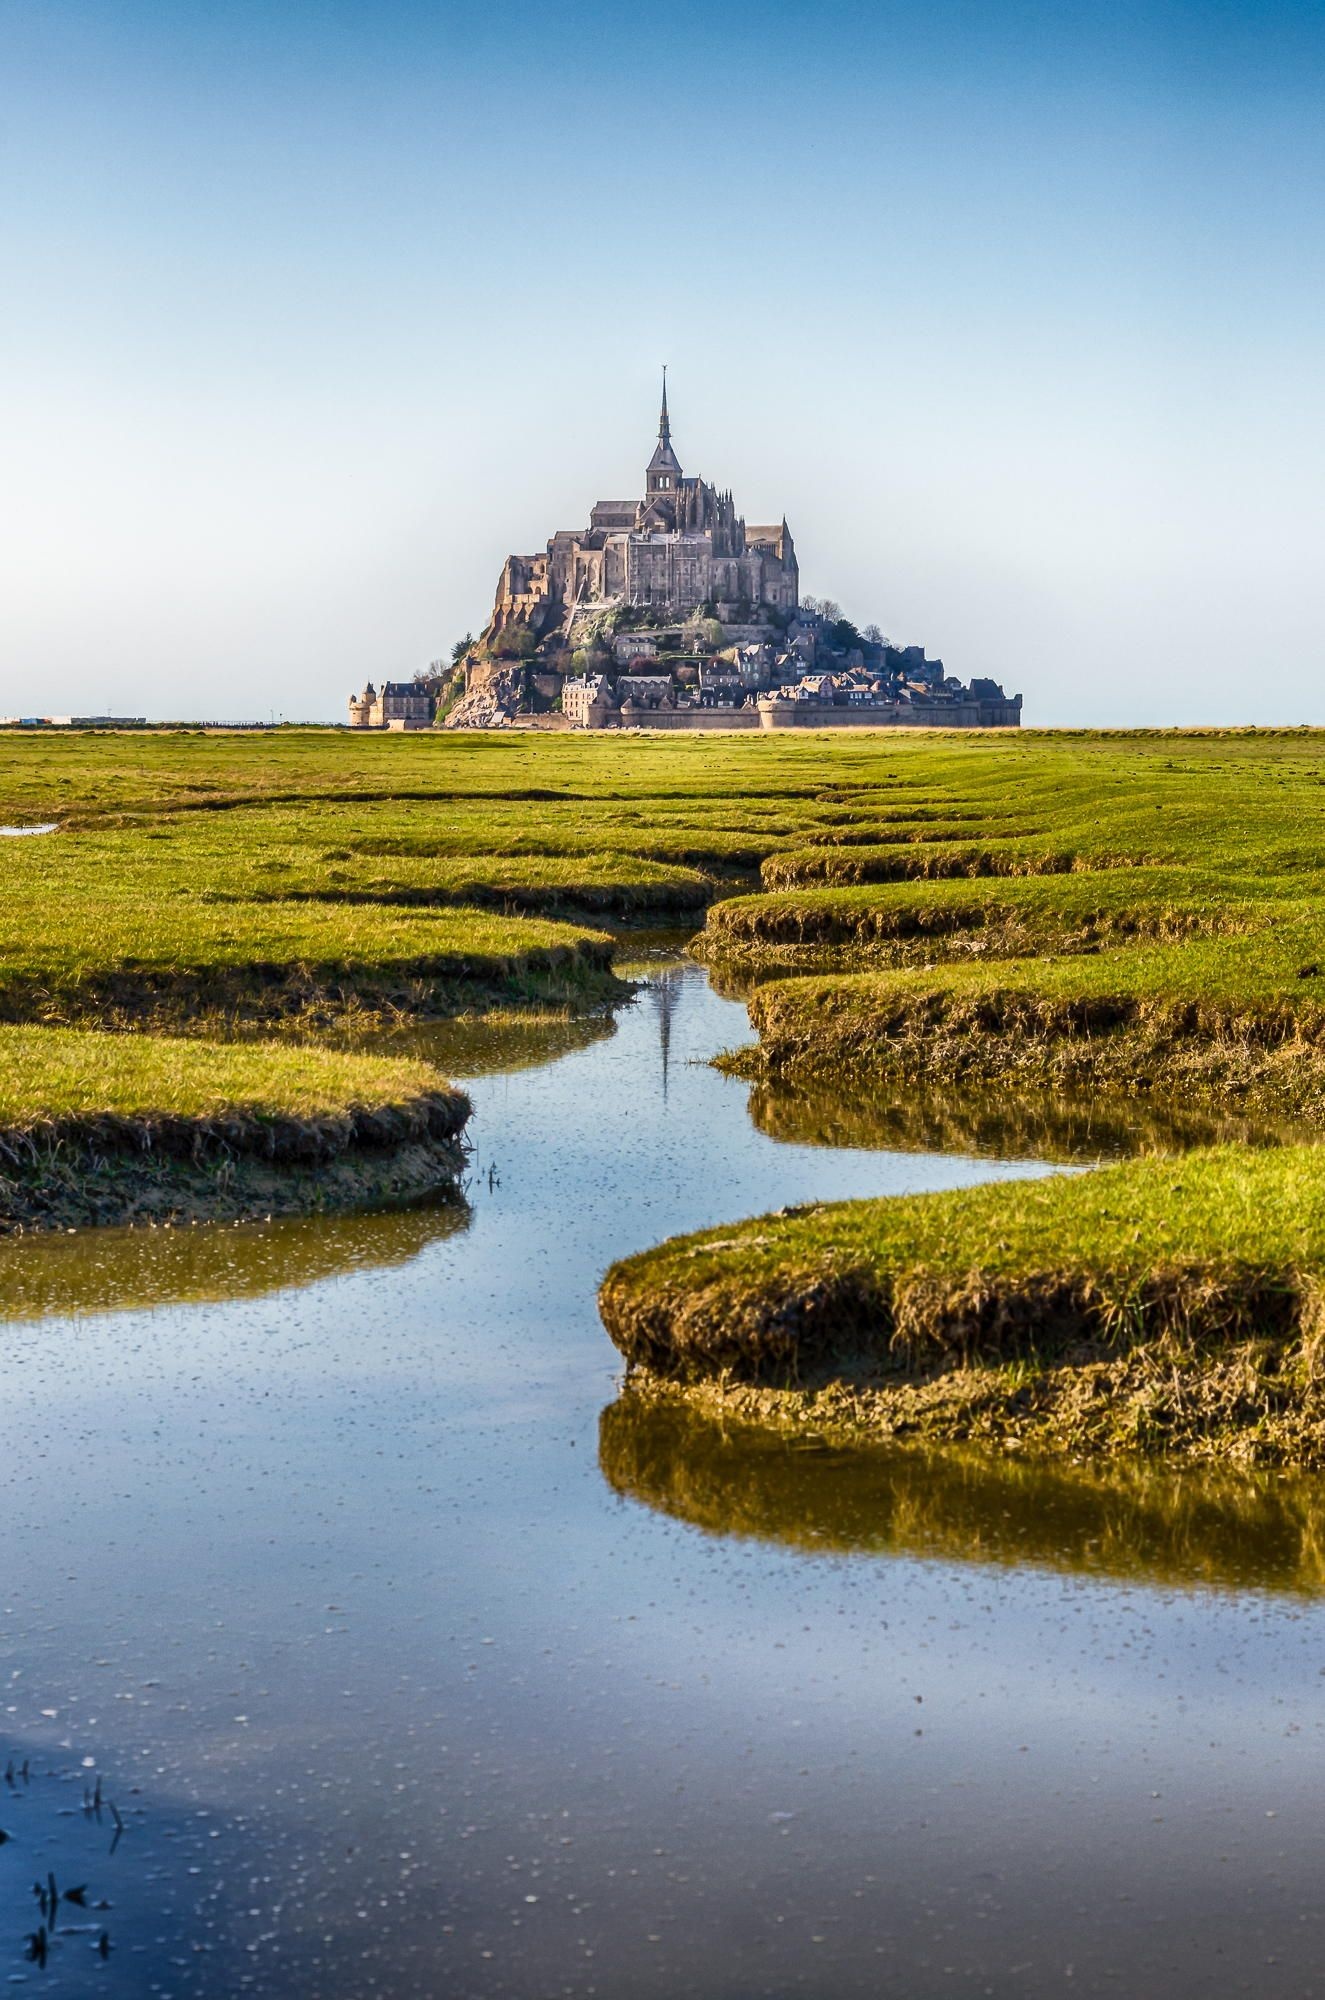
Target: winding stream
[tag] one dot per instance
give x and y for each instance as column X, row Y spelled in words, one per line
column 413, row 1662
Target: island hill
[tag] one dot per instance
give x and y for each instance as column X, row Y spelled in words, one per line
column 671, row 612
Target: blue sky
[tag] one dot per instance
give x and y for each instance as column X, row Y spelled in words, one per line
column 312, row 313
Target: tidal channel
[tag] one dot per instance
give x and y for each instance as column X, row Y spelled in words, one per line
column 357, row 1637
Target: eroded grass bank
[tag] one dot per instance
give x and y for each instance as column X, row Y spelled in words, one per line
column 1121, row 1025
column 1105, row 917
column 110, row 1129
column 195, row 967
column 1168, row 1305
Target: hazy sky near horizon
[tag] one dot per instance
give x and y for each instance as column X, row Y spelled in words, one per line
column 312, row 313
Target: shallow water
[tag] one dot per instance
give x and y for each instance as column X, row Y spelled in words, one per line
column 415, row 1661
column 21, row 832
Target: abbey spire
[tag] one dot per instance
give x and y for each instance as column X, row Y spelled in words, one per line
column 664, row 470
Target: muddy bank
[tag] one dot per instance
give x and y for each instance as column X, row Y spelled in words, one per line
column 1241, row 1060
column 1245, row 1405
column 824, row 930
column 83, row 1172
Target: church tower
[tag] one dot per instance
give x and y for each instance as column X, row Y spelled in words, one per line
column 664, row 473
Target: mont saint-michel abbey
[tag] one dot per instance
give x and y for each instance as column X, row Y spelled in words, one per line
column 672, row 612
column 681, row 546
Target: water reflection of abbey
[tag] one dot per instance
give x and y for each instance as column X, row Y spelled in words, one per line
column 665, row 991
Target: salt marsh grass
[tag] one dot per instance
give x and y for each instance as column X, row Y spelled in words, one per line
column 1139, row 911
column 1161, row 1305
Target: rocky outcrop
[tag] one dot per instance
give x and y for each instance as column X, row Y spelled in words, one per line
column 490, row 700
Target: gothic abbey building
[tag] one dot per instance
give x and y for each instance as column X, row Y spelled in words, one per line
column 670, row 612
column 682, row 546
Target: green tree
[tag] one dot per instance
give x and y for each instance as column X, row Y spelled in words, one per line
column 517, row 642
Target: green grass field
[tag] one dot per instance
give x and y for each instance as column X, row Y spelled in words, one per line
column 494, row 860
column 1129, row 912
column 321, row 871
column 65, row 1076
column 1079, row 915
column 1138, row 913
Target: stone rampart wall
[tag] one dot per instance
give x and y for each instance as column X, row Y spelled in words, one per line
column 695, row 718
column 909, row 715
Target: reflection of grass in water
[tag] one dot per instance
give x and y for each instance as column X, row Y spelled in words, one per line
column 735, row 982
column 501, row 1042
column 643, row 949
column 1129, row 1520
column 117, row 1269
column 1002, row 1124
